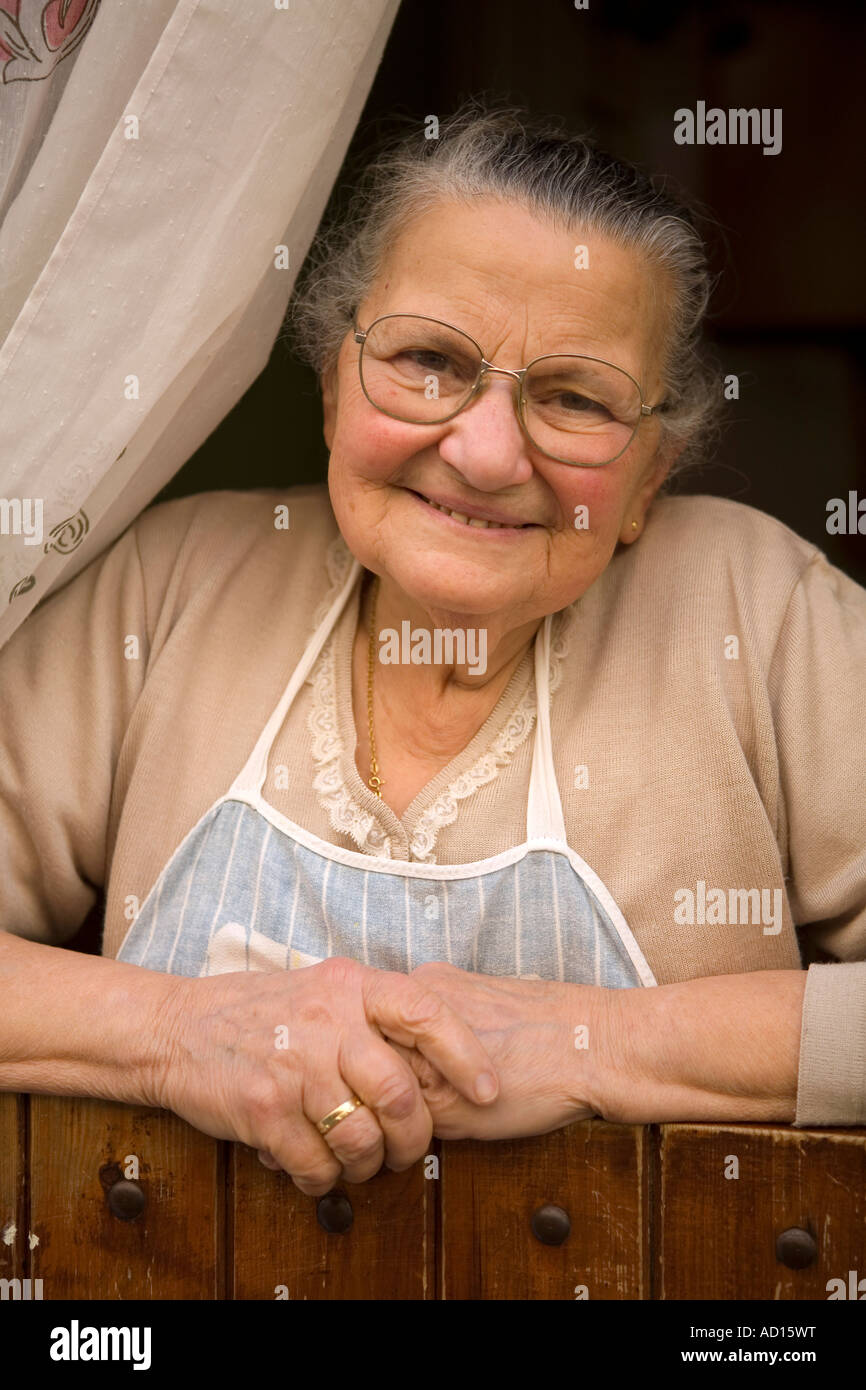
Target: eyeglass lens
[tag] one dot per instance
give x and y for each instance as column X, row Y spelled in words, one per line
column 575, row 408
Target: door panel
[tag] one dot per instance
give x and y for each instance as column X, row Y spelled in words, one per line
column 760, row 1211
column 103, row 1234
column 493, row 1194
column 282, row 1249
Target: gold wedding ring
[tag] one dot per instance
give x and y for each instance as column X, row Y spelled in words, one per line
column 333, row 1117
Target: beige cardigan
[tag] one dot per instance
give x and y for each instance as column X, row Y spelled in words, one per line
column 711, row 684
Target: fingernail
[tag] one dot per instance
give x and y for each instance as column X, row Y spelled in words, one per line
column 485, row 1086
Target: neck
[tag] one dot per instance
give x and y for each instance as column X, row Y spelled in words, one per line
column 445, row 650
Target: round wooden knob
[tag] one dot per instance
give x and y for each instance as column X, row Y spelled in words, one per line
column 551, row 1225
column 126, row 1200
column 796, row 1248
column 334, row 1213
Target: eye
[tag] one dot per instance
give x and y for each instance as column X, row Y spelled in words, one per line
column 448, row 367
column 429, row 360
column 571, row 404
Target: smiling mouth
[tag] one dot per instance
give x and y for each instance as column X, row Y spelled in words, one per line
column 477, row 522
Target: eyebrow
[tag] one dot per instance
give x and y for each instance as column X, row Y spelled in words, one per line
column 600, row 349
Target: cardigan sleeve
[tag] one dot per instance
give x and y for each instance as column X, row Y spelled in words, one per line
column 831, row 1087
column 818, row 689
column 70, row 677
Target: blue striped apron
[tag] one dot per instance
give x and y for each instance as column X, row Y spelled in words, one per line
column 248, row 889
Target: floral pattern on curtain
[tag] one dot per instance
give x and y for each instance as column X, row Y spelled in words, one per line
column 163, row 169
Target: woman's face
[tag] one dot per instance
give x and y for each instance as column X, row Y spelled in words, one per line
column 509, row 280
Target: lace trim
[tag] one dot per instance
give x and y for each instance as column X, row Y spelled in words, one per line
column 345, row 814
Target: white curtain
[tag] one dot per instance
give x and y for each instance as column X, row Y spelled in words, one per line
column 154, row 159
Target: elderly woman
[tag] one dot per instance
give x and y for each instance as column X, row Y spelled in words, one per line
column 486, row 789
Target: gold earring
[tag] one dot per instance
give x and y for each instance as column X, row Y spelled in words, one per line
column 634, row 526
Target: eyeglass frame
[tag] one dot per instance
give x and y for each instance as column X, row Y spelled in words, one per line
column 518, row 373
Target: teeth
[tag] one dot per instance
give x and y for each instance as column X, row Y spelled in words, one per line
column 467, row 520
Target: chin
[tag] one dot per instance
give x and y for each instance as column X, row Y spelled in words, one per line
column 437, row 582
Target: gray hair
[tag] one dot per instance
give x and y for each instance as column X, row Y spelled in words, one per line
column 565, row 179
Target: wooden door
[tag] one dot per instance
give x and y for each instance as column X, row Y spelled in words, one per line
column 100, row 1200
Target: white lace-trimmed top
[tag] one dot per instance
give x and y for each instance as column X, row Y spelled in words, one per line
column 329, row 721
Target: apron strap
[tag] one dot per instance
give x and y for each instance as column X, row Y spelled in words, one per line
column 252, row 775
column 544, row 818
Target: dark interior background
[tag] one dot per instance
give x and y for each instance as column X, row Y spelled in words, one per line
column 789, row 310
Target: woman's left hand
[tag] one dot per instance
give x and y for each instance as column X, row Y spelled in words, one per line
column 548, row 1070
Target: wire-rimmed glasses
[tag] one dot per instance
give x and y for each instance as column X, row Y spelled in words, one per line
column 575, row 409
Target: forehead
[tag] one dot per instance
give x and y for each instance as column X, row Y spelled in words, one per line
column 519, row 285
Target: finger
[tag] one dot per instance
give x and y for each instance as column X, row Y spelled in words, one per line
column 404, row 1010
column 268, row 1160
column 392, row 1093
column 356, row 1142
column 427, row 1076
column 299, row 1149
column 437, row 1093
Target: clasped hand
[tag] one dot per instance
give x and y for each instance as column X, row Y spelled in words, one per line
column 529, row 1029
column 412, row 1047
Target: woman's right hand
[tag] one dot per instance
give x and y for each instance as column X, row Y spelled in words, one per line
column 260, row 1058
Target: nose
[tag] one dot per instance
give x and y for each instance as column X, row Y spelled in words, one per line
column 485, row 442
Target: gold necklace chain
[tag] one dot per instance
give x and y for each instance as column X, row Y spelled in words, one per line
column 375, row 781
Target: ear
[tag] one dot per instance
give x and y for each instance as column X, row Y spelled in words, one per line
column 328, row 385
column 642, row 499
